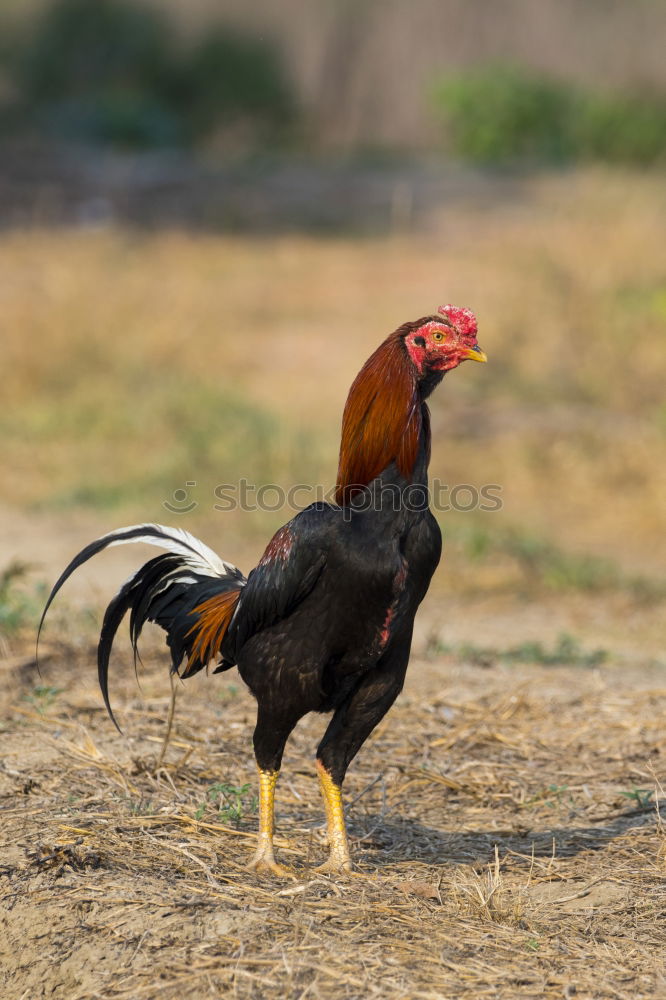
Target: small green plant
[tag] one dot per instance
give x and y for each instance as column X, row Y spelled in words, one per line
column 641, row 796
column 43, row 696
column 228, row 693
column 141, row 807
column 553, row 796
column 558, row 792
column 233, row 802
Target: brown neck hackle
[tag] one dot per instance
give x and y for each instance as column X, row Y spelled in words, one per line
column 382, row 420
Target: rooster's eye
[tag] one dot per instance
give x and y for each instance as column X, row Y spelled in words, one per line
column 438, row 336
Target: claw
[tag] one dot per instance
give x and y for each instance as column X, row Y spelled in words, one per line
column 262, row 865
column 264, row 861
column 337, row 864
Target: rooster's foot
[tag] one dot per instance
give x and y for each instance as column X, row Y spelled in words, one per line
column 263, row 862
column 337, row 864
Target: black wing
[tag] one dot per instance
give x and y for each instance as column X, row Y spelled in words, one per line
column 287, row 572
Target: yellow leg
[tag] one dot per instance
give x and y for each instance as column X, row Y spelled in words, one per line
column 338, row 859
column 264, row 859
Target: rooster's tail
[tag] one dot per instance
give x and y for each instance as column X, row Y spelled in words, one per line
column 189, row 592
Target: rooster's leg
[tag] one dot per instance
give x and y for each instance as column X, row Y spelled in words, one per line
column 270, row 736
column 339, row 859
column 264, row 859
column 352, row 723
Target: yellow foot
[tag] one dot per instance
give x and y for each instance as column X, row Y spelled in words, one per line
column 337, row 865
column 263, row 863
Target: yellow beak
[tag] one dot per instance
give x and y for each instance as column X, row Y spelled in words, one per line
column 474, row 354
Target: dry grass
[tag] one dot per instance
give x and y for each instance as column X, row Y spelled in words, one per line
column 501, row 819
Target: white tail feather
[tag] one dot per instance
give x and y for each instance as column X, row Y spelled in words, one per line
column 197, row 555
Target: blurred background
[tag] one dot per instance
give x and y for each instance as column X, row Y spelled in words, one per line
column 210, row 214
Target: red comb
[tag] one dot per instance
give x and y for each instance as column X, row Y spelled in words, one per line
column 463, row 319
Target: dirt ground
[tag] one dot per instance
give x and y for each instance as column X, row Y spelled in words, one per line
column 503, row 824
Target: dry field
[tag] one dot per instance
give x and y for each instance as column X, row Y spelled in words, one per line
column 501, row 818
column 505, row 816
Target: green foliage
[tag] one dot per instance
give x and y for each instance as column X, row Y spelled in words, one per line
column 80, row 47
column 558, row 570
column 622, row 129
column 121, row 119
column 566, row 652
column 226, row 78
column 43, row 696
column 540, row 560
column 641, row 796
column 228, row 693
column 77, row 419
column 19, row 607
column 553, row 797
column 233, row 802
column 141, row 807
column 543, row 563
column 112, row 72
column 501, row 114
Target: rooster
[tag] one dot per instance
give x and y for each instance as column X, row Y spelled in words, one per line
column 324, row 622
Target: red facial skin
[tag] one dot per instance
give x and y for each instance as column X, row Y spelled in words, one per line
column 447, row 343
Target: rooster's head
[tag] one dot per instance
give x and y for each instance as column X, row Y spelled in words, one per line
column 436, row 344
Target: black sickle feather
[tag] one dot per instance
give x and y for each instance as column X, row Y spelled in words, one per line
column 145, row 581
column 165, row 590
column 113, row 616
